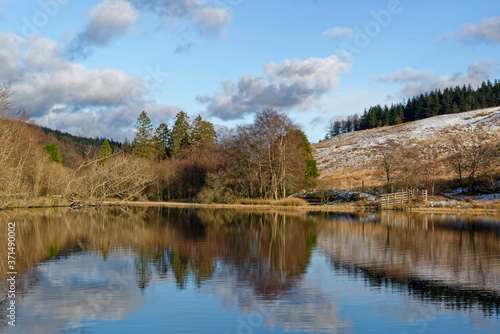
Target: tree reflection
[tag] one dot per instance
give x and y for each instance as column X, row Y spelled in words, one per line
column 446, row 259
column 267, row 251
column 429, row 257
column 143, row 272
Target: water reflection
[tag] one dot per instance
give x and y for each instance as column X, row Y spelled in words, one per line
column 98, row 289
column 79, row 269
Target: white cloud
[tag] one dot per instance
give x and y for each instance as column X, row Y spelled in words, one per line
column 9, row 53
column 487, row 30
column 113, row 14
column 417, row 82
column 114, row 122
column 292, row 84
column 107, row 20
column 43, row 54
column 338, row 32
column 213, row 19
column 71, row 97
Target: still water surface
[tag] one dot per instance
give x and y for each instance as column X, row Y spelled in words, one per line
column 157, row 270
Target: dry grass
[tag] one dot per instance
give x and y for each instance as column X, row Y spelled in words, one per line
column 40, row 202
column 252, row 207
column 293, row 201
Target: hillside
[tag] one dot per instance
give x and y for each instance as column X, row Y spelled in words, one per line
column 72, row 149
column 351, row 158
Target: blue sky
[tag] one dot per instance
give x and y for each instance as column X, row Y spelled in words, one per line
column 90, row 67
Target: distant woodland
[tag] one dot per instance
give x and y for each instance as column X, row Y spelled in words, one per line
column 437, row 102
column 189, row 161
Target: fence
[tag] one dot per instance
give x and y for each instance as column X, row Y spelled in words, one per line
column 390, row 200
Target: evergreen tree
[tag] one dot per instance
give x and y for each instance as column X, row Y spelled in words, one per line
column 164, row 140
column 436, row 102
column 53, row 152
column 180, row 133
column 126, row 146
column 311, row 167
column 144, row 141
column 202, row 130
column 106, row 152
column 355, row 122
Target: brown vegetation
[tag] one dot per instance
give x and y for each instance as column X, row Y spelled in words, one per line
column 268, row 159
column 467, row 157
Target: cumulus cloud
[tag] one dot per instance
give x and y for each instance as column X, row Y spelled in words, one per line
column 111, row 19
column 338, row 32
column 9, row 53
column 213, row 19
column 292, row 84
column 69, row 96
column 205, row 18
column 488, row 30
column 417, row 82
column 107, row 20
column 113, row 122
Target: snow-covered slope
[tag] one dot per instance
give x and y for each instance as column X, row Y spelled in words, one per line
column 358, row 150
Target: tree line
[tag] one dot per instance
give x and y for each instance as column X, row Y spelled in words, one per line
column 162, row 142
column 437, row 102
column 270, row 158
column 187, row 161
column 81, row 143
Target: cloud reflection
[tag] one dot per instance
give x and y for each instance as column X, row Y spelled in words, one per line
column 307, row 309
column 79, row 289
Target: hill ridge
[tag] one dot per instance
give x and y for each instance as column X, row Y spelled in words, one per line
column 355, row 152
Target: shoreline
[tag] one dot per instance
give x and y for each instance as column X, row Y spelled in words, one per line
column 347, row 208
column 324, row 208
column 312, row 208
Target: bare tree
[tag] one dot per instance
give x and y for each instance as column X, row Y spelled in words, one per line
column 390, row 155
column 264, row 159
column 21, row 158
column 489, row 168
column 122, row 176
column 431, row 163
column 472, row 149
column 406, row 165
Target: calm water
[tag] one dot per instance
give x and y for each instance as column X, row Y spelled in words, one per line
column 152, row 270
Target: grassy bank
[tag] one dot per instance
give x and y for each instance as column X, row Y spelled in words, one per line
column 320, row 208
column 40, row 202
column 282, row 205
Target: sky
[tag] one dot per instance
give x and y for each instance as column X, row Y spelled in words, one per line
column 90, row 67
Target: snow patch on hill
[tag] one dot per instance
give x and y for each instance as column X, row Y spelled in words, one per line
column 358, row 150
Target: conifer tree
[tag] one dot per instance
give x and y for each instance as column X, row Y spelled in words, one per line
column 164, row 140
column 106, row 152
column 437, row 102
column 126, row 146
column 180, row 133
column 144, row 143
column 53, row 152
column 202, row 130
